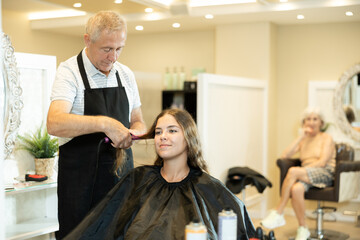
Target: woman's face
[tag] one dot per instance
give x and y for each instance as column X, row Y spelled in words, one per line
column 169, row 139
column 313, row 122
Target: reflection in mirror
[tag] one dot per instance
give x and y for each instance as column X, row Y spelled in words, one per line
column 347, row 102
column 12, row 103
column 352, row 101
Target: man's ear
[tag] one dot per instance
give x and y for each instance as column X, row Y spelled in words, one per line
column 87, row 40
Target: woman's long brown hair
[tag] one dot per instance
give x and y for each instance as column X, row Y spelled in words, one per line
column 188, row 125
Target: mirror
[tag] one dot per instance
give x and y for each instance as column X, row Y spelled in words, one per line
column 11, row 101
column 347, row 102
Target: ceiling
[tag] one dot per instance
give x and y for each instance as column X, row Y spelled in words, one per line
column 190, row 18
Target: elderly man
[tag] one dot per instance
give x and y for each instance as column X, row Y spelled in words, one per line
column 93, row 97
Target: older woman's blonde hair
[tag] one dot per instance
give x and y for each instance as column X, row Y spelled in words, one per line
column 104, row 20
column 313, row 110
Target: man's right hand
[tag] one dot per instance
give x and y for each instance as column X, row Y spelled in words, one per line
column 118, row 133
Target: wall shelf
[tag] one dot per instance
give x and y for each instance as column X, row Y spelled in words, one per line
column 31, row 209
column 31, row 186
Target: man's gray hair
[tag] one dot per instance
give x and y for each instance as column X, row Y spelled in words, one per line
column 104, row 20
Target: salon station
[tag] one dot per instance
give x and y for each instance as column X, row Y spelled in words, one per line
column 244, row 69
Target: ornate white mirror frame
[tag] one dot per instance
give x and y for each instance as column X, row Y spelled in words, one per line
column 11, row 100
column 340, row 116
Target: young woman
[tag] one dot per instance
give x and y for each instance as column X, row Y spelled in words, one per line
column 157, row 202
column 317, row 155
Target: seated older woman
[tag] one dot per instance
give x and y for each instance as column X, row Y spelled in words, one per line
column 317, row 156
column 157, row 202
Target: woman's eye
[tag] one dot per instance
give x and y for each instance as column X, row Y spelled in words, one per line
column 172, row 131
column 157, row 132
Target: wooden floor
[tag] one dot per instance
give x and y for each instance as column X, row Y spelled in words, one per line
column 289, row 230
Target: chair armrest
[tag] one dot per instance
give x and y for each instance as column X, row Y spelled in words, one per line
column 343, row 167
column 284, row 165
column 347, row 166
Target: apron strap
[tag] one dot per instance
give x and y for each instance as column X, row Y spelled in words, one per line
column 82, row 71
column 118, row 79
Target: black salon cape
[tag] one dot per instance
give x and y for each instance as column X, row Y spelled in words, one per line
column 144, row 206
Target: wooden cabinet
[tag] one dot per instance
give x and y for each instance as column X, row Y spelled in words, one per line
column 31, row 211
column 184, row 99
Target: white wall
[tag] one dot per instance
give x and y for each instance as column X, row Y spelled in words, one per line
column 230, row 129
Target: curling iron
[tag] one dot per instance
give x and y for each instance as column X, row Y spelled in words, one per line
column 133, row 137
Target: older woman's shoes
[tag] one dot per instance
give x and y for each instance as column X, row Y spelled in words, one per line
column 273, row 220
column 303, row 233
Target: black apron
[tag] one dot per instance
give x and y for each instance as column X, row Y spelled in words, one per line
column 86, row 163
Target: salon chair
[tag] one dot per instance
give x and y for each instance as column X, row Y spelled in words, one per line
column 345, row 187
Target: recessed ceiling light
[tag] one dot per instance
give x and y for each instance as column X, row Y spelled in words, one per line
column 77, row 5
column 300, row 17
column 118, row 1
column 176, row 25
column 348, row 13
column 139, row 28
column 149, row 10
column 209, row 16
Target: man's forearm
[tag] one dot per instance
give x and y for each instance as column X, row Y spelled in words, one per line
column 72, row 125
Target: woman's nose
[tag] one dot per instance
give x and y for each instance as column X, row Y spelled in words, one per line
column 163, row 136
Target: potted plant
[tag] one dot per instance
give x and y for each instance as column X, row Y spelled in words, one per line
column 43, row 147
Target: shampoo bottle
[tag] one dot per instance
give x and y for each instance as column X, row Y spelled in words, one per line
column 167, row 79
column 175, row 79
column 182, row 78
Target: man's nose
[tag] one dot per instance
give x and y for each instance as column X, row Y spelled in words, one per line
column 112, row 55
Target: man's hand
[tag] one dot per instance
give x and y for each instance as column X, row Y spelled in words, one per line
column 118, row 133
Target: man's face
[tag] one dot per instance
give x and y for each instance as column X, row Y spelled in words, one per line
column 105, row 50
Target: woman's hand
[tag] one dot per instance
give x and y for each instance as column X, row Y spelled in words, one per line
column 307, row 131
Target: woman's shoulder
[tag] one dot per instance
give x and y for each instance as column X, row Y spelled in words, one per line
column 325, row 136
column 206, row 179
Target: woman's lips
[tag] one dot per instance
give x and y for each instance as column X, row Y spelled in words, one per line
column 164, row 145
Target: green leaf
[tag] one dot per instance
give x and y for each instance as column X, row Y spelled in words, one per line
column 39, row 144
